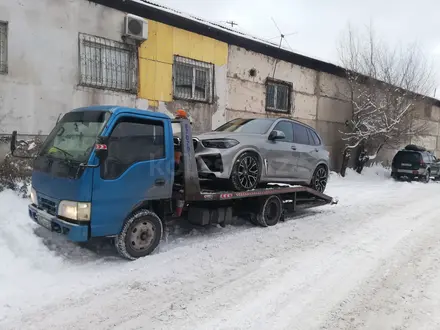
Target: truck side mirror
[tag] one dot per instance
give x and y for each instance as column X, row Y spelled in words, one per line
column 101, row 148
column 13, row 142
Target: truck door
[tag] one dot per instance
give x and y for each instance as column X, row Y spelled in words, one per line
column 138, row 168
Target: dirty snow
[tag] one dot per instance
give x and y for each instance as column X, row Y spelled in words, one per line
column 370, row 262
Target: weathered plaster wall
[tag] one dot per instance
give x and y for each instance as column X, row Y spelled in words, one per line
column 43, row 76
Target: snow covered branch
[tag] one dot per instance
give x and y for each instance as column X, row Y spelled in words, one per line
column 386, row 86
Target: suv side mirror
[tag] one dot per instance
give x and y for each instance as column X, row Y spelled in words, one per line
column 277, row 135
column 101, row 148
column 13, row 142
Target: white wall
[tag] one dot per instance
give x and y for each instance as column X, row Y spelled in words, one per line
column 43, row 61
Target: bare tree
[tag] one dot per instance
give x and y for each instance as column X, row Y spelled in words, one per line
column 385, row 85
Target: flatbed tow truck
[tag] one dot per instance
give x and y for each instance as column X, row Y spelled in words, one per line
column 116, row 178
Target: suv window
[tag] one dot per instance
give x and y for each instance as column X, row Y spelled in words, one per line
column 286, row 127
column 300, row 134
column 132, row 141
column 313, row 138
column 427, row 157
column 407, row 157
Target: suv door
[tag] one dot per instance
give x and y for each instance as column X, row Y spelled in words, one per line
column 281, row 158
column 306, row 153
column 138, row 168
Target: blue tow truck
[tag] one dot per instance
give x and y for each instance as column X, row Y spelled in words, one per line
column 110, row 171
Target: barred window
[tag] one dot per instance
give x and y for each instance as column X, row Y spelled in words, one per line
column 107, row 64
column 193, row 80
column 278, row 96
column 3, row 47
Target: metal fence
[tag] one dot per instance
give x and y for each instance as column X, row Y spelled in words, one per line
column 193, row 80
column 107, row 64
column 3, row 47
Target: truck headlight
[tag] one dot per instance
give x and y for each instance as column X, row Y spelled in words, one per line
column 74, row 210
column 34, row 199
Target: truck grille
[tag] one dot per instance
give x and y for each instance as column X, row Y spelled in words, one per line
column 47, row 205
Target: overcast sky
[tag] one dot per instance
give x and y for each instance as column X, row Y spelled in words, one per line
column 319, row 23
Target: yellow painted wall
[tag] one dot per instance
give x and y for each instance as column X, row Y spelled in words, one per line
column 156, row 58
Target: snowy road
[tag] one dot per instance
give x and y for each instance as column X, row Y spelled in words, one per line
column 370, row 262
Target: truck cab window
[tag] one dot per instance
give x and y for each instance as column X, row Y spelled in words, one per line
column 133, row 141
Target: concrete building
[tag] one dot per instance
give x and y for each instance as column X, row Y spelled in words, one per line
column 56, row 55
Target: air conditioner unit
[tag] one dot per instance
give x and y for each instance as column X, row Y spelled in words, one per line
column 135, row 27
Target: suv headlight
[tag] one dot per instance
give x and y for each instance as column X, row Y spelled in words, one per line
column 219, row 143
column 74, row 210
column 34, row 199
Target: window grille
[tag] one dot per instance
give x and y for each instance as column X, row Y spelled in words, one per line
column 3, row 47
column 107, row 64
column 193, row 80
column 278, row 97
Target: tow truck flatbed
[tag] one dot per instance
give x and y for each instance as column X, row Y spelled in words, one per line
column 159, row 188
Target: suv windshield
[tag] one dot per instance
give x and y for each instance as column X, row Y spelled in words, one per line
column 74, row 136
column 253, row 126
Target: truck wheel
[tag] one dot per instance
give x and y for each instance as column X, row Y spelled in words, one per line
column 140, row 235
column 271, row 212
column 246, row 172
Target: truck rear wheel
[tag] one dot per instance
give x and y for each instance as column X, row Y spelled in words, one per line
column 140, row 235
column 271, row 211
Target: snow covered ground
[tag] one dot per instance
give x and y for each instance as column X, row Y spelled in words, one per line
column 370, row 262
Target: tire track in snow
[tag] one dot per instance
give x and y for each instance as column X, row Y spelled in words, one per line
column 403, row 292
column 166, row 290
column 185, row 295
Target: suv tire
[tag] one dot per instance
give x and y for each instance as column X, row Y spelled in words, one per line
column 246, row 172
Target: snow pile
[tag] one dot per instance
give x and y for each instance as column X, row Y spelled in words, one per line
column 43, row 269
column 375, row 172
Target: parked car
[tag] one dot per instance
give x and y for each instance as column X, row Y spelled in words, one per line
column 415, row 163
column 250, row 152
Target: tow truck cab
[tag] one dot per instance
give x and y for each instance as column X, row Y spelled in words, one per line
column 97, row 166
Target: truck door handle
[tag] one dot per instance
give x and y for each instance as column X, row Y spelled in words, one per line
column 293, row 147
column 159, row 182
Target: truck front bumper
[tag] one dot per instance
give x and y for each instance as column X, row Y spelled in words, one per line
column 73, row 232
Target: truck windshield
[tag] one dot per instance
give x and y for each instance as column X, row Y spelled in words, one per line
column 252, row 126
column 74, row 136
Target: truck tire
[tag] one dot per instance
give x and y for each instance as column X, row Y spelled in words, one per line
column 140, row 235
column 271, row 212
column 246, row 172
